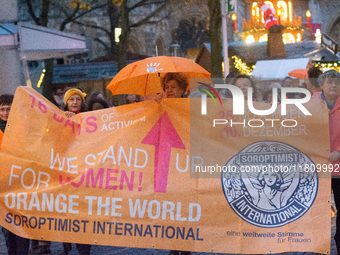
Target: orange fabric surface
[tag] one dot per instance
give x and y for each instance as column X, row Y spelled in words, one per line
column 125, row 176
column 144, row 77
column 299, row 73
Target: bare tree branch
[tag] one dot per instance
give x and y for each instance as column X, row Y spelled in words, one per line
column 144, row 3
column 102, row 43
column 31, row 12
column 136, row 5
column 92, row 26
column 72, row 17
column 146, row 20
column 86, row 12
column 69, row 17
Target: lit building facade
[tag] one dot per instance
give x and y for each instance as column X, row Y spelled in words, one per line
column 255, row 31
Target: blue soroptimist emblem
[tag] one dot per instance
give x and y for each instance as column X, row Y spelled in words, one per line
column 270, row 184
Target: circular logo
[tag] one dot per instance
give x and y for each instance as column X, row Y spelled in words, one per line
column 269, row 184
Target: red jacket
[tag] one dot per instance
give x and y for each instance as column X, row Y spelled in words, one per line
column 1, row 136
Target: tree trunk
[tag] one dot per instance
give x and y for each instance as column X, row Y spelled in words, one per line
column 114, row 18
column 123, row 39
column 215, row 37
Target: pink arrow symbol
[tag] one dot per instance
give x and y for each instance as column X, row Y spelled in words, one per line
column 164, row 136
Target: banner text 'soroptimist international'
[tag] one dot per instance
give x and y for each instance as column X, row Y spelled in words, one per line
column 124, row 172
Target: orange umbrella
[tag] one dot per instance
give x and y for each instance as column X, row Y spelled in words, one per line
column 299, row 73
column 143, row 77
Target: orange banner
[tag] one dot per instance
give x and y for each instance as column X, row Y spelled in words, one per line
column 129, row 176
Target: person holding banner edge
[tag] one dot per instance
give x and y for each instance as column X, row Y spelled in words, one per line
column 16, row 245
column 75, row 103
column 175, row 86
column 330, row 94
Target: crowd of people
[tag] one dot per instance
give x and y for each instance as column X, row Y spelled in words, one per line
column 323, row 86
column 263, row 91
column 73, row 101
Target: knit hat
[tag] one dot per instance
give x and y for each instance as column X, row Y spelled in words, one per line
column 72, row 92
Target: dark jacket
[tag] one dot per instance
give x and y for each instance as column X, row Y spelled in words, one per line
column 3, row 125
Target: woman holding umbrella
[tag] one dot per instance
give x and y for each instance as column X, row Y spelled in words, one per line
column 175, row 86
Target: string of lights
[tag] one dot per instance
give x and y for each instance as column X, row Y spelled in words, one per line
column 325, row 66
column 241, row 66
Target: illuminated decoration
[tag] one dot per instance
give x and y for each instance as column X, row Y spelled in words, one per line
column 288, row 38
column 234, row 18
column 279, row 16
column 264, row 38
column 269, row 3
column 326, row 66
column 41, row 78
column 298, row 39
column 241, row 66
column 284, row 14
column 282, row 5
column 308, row 14
column 318, row 36
column 255, row 13
column 262, row 14
column 250, row 39
column 269, row 15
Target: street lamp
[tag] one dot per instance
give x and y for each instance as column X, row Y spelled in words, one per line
column 118, row 31
column 174, row 48
column 234, row 18
column 308, row 14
